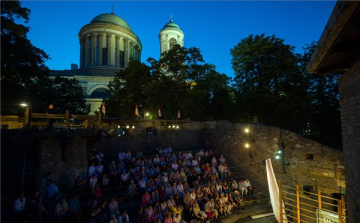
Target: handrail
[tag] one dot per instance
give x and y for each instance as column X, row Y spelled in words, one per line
column 308, row 216
column 48, row 116
column 323, row 196
column 11, row 119
column 91, row 117
column 305, row 204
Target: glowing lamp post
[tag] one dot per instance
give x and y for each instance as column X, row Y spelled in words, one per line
column 280, row 155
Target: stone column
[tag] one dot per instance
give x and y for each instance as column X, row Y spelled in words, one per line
column 121, row 48
column 129, row 50
column 166, row 44
column 117, row 51
column 102, row 39
column 81, row 52
column 112, row 50
column 87, row 47
column 108, row 45
column 132, row 53
column 125, row 53
column 93, row 48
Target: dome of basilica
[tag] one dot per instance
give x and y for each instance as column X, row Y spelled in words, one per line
column 172, row 25
column 112, row 19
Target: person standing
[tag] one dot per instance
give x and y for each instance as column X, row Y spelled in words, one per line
column 62, row 211
column 37, row 203
column 19, row 207
column 49, row 111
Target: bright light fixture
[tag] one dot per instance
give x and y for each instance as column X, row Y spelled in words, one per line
column 247, row 145
column 127, row 126
column 247, row 130
column 277, row 157
column 147, row 114
column 169, row 126
column 279, row 151
column 177, row 126
column 23, row 104
column 133, row 126
column 118, row 126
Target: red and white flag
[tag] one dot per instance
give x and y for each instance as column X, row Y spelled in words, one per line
column 159, row 112
column 103, row 107
column 136, row 111
column 179, row 116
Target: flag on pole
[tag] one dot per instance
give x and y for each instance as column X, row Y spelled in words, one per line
column 103, row 107
column 159, row 112
column 136, row 111
column 179, row 116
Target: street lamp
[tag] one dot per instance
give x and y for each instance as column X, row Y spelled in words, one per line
column 280, row 155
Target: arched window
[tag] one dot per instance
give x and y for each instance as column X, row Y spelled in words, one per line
column 100, row 93
column 172, row 43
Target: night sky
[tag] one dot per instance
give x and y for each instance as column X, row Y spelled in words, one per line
column 214, row 27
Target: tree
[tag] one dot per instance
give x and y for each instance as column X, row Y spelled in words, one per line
column 181, row 63
column 269, row 85
column 63, row 93
column 180, row 79
column 128, row 89
column 176, row 75
column 20, row 60
column 324, row 95
column 210, row 98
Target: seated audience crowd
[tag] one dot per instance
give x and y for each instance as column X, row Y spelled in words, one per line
column 172, row 187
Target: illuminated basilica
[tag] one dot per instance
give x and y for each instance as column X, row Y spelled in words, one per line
column 107, row 44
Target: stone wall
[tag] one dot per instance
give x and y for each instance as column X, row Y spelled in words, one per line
column 187, row 137
column 309, row 163
column 64, row 170
column 4, row 123
column 349, row 88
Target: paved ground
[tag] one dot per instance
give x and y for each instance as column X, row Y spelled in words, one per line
column 240, row 216
column 270, row 219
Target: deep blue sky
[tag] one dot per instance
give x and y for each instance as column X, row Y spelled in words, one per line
column 214, row 27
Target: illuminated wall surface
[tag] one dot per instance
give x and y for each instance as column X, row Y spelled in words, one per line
column 349, row 87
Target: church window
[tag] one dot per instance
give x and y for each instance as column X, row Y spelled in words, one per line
column 172, row 43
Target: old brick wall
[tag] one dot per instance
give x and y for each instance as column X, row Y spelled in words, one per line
column 64, row 170
column 10, row 124
column 188, row 136
column 349, row 88
column 310, row 163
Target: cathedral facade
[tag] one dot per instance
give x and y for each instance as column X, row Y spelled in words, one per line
column 107, row 44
